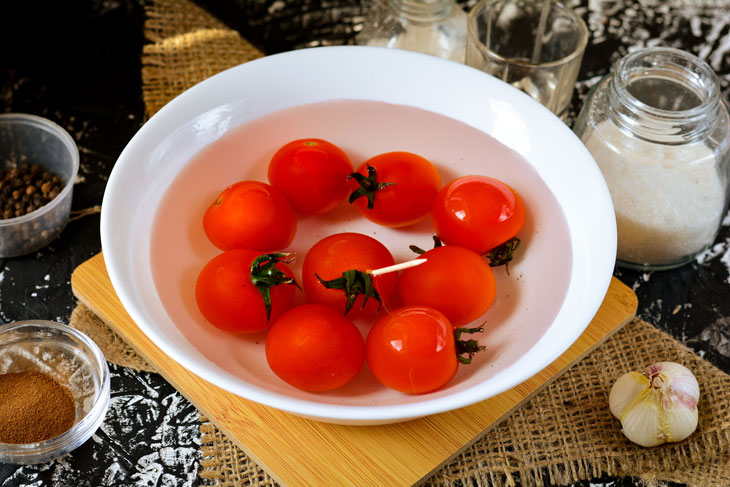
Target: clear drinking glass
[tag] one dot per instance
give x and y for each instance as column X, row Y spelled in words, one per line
column 535, row 45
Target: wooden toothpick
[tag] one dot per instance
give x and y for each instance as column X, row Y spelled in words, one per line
column 396, row 267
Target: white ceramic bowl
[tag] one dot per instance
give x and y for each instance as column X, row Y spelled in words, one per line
column 551, row 293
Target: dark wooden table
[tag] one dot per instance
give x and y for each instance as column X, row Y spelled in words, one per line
column 78, row 64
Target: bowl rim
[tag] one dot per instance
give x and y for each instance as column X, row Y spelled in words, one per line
column 65, row 138
column 42, row 451
column 167, row 120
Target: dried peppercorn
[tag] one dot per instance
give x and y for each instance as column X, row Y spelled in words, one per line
column 26, row 188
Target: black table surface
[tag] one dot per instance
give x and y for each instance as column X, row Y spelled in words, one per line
column 78, row 64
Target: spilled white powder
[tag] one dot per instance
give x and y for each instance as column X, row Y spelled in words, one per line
column 669, row 199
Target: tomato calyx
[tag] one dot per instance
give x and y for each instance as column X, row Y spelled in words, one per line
column 418, row 250
column 503, row 254
column 467, row 347
column 368, row 186
column 264, row 275
column 354, row 283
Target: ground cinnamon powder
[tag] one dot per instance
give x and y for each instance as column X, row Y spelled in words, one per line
column 33, row 407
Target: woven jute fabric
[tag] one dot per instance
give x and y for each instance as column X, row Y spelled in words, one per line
column 115, row 349
column 564, row 434
column 188, row 45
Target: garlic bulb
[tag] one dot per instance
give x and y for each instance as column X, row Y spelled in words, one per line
column 657, row 406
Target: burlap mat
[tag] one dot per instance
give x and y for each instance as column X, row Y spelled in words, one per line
column 565, row 434
column 187, row 46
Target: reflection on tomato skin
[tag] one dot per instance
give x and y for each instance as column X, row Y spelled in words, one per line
column 412, row 350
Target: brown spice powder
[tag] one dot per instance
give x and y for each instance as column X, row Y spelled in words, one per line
column 33, row 407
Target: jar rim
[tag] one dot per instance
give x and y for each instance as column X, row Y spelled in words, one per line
column 423, row 10
column 692, row 69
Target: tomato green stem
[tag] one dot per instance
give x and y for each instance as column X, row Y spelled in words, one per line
column 354, row 283
column 368, row 186
column 418, row 250
column 264, row 275
column 503, row 254
column 468, row 347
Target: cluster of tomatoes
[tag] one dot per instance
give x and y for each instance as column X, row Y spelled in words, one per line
column 414, row 343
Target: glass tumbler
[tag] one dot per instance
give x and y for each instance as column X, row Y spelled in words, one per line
column 535, row 45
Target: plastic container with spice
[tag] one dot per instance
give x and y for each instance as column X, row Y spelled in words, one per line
column 54, row 390
column 39, row 162
column 660, row 133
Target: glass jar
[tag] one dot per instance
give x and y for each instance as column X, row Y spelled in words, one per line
column 436, row 27
column 660, row 134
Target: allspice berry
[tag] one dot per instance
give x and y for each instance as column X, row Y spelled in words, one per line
column 26, row 188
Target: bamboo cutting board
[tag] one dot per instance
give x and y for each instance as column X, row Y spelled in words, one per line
column 299, row 452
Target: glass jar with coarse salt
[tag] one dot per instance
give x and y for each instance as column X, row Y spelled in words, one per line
column 660, row 133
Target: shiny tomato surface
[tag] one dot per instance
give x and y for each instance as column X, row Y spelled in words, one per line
column 315, row 348
column 250, row 215
column 312, row 174
column 341, row 252
column 456, row 281
column 406, row 185
column 477, row 212
column 412, row 350
column 228, row 299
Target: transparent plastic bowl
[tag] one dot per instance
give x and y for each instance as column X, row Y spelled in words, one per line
column 28, row 139
column 75, row 362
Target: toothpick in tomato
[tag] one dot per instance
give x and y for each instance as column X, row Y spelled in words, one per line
column 334, row 273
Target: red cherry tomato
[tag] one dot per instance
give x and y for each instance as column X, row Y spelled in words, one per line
column 332, row 256
column 312, row 174
column 395, row 189
column 466, row 276
column 315, row 348
column 229, row 300
column 250, row 215
column 477, row 212
column 412, row 350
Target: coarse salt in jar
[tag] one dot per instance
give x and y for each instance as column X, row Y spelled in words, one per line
column 660, row 134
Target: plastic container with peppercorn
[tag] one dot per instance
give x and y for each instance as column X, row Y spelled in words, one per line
column 39, row 162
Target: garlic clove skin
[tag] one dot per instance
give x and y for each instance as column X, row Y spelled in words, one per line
column 680, row 419
column 642, row 423
column 676, row 378
column 624, row 390
column 657, row 406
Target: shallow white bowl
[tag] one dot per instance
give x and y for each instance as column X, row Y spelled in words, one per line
column 554, row 287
